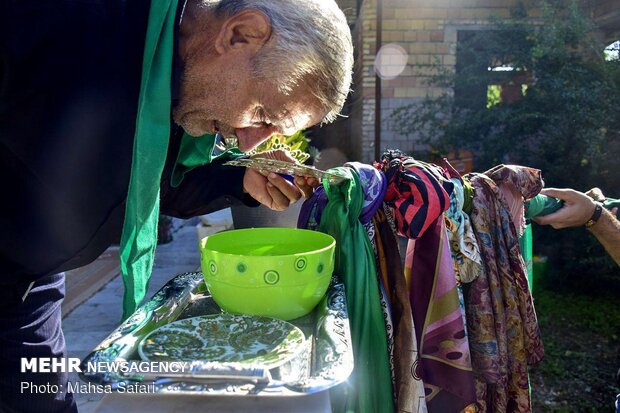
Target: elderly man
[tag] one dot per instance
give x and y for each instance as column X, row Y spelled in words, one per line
column 82, row 93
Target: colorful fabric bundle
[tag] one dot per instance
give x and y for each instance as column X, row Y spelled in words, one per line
column 415, row 323
column 386, row 307
column 528, row 181
column 444, row 350
column 419, row 194
column 463, row 243
column 409, row 389
column 502, row 325
column 312, row 209
column 374, row 185
column 416, row 192
column 371, row 389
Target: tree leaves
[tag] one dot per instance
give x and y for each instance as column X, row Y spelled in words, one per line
column 568, row 121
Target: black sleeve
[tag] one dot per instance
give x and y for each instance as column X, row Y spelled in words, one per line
column 205, row 189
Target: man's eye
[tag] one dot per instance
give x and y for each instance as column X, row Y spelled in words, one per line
column 260, row 116
column 289, row 123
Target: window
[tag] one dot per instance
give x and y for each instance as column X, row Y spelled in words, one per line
column 486, row 71
column 612, row 52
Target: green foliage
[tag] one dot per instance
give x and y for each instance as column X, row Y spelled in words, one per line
column 567, row 122
column 494, row 95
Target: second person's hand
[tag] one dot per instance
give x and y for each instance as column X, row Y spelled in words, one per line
column 577, row 210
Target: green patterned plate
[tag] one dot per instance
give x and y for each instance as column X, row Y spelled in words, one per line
column 224, row 338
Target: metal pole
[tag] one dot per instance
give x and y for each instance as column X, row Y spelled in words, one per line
column 378, row 41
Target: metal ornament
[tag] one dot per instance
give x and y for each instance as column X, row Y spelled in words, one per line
column 264, row 165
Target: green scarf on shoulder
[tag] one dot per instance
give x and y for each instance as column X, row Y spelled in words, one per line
column 151, row 139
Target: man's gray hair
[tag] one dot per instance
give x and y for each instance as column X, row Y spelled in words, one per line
column 310, row 43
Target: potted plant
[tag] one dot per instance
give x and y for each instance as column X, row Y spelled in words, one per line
column 298, row 145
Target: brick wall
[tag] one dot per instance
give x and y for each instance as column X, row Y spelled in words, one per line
column 606, row 15
column 426, row 30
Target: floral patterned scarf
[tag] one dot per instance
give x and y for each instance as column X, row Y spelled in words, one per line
column 503, row 330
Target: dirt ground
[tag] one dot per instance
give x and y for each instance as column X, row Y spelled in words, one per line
column 581, row 335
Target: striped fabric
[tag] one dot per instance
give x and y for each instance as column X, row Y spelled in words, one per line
column 419, row 192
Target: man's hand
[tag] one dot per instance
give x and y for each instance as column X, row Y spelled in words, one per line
column 273, row 190
column 577, row 210
column 307, row 185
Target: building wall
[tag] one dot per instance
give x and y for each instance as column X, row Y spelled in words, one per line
column 606, row 15
column 427, row 31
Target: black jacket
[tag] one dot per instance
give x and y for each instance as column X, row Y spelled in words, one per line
column 69, row 84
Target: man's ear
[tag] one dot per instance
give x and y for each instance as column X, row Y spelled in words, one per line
column 247, row 29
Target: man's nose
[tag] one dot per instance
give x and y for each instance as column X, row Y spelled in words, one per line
column 251, row 137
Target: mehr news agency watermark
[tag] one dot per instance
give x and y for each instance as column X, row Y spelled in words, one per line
column 72, row 365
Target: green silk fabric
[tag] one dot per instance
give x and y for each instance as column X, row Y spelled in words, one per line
column 195, row 152
column 526, row 246
column 611, row 203
column 468, row 196
column 541, row 205
column 370, row 388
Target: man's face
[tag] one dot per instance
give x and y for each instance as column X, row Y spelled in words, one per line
column 235, row 104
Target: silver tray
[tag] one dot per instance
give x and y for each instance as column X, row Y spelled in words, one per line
column 326, row 361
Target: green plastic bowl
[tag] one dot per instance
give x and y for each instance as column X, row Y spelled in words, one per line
column 274, row 272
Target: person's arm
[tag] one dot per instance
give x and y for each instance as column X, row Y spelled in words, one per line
column 205, row 189
column 607, row 231
column 577, row 210
column 215, row 186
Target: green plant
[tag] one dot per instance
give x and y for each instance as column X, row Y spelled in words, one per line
column 298, row 145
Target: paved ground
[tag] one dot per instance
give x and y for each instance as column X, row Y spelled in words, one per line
column 87, row 325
